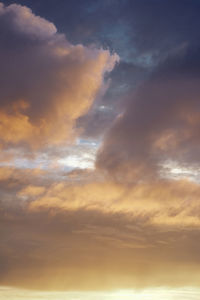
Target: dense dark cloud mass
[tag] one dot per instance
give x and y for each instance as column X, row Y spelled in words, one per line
column 161, row 121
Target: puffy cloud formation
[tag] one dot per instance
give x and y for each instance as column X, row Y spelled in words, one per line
column 160, row 123
column 46, row 82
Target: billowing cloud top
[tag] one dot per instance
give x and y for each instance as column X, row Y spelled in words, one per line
column 46, row 83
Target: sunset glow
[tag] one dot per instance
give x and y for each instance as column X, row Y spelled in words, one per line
column 156, row 294
column 100, row 150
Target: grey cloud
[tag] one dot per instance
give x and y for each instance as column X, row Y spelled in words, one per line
column 161, row 120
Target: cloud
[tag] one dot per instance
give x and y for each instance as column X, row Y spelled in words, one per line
column 69, row 232
column 91, row 233
column 91, row 250
column 131, row 222
column 160, row 122
column 31, row 191
column 47, row 83
column 168, row 203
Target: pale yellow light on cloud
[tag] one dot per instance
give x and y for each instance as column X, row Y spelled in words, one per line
column 165, row 202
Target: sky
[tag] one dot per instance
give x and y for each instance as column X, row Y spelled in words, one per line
column 100, row 149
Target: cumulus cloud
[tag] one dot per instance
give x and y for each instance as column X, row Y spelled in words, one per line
column 160, row 122
column 47, row 83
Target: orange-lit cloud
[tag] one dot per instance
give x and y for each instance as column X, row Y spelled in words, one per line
column 168, row 203
column 56, row 248
column 47, row 83
column 63, row 236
